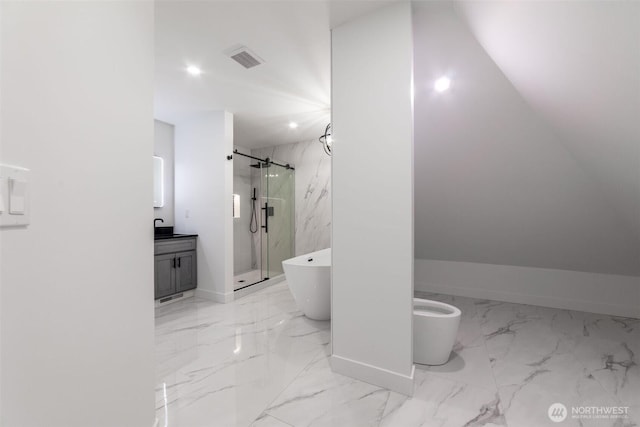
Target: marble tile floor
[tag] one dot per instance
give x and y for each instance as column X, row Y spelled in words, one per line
column 259, row 362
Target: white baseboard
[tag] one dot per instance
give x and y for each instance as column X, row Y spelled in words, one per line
column 373, row 375
column 220, row 297
column 574, row 290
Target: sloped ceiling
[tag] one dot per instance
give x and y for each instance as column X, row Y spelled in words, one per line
column 578, row 65
column 532, row 158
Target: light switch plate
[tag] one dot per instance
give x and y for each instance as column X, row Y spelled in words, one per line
column 17, row 196
column 15, row 204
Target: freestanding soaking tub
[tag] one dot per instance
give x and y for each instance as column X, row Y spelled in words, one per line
column 309, row 279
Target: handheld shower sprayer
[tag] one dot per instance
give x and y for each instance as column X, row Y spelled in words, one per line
column 253, row 223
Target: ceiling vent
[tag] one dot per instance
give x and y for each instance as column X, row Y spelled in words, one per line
column 243, row 56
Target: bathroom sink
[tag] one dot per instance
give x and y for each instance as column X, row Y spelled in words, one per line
column 163, row 232
column 172, row 236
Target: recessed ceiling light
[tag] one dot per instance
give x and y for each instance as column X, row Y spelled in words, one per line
column 442, row 84
column 293, row 125
column 193, row 70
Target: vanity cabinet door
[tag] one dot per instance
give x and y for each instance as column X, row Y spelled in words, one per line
column 186, row 271
column 165, row 275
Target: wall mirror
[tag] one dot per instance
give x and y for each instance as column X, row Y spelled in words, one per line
column 158, row 182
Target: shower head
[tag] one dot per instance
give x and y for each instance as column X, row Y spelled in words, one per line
column 263, row 165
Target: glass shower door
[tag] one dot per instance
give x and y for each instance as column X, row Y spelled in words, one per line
column 278, row 212
column 248, row 268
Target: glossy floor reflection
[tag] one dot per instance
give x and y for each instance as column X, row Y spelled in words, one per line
column 259, row 362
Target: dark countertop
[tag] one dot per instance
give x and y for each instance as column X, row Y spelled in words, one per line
column 173, row 236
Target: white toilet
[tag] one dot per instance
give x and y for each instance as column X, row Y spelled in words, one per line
column 435, row 327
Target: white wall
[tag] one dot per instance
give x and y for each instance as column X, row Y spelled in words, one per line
column 203, row 197
column 77, row 284
column 164, row 147
column 1, row 32
column 372, row 239
column 312, row 191
column 497, row 183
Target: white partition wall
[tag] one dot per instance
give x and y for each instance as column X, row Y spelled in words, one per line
column 372, row 181
column 203, row 197
column 1, row 233
column 77, row 283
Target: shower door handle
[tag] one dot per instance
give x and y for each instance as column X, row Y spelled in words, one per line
column 266, row 217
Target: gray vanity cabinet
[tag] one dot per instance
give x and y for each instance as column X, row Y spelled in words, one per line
column 175, row 266
column 164, row 275
column 185, row 271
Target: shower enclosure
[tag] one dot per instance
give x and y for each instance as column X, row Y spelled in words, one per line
column 263, row 224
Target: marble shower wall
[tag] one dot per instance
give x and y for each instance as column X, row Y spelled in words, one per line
column 312, row 191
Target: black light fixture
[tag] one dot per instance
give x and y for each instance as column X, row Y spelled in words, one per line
column 326, row 139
